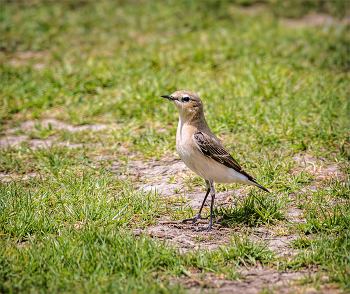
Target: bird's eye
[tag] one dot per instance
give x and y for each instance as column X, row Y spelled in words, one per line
column 186, row 99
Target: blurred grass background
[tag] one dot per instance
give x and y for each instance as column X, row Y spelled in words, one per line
column 109, row 61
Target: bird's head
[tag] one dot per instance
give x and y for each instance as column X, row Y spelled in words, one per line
column 187, row 103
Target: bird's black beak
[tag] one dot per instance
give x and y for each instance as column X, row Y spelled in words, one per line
column 169, row 97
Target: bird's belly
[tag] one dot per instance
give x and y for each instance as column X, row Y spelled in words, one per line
column 219, row 173
column 188, row 156
column 208, row 168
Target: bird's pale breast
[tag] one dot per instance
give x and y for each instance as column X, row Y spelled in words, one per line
column 205, row 167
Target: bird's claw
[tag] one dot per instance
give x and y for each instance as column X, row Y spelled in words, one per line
column 194, row 219
column 208, row 228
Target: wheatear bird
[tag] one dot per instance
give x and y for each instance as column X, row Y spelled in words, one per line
column 202, row 152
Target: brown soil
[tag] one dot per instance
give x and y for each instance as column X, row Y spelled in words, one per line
column 56, row 124
column 309, row 20
column 254, row 280
column 13, row 140
column 316, row 20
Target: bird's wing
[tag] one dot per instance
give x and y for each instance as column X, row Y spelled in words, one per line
column 212, row 148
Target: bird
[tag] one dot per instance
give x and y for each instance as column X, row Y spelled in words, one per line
column 202, row 152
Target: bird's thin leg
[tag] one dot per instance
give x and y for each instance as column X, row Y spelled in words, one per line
column 212, row 192
column 198, row 216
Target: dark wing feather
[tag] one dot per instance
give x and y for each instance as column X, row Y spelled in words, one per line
column 212, row 148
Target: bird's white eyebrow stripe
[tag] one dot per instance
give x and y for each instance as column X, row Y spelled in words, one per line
column 186, row 96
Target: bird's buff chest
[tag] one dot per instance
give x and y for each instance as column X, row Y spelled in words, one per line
column 184, row 139
column 185, row 145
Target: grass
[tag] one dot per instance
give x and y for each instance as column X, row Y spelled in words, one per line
column 101, row 259
column 65, row 200
column 324, row 213
column 254, row 210
column 106, row 259
column 328, row 253
column 272, row 92
column 246, row 252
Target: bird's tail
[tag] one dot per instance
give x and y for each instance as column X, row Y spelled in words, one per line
column 255, row 183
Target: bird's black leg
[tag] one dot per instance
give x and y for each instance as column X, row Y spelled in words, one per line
column 198, row 216
column 212, row 192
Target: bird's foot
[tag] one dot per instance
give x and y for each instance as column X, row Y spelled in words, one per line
column 194, row 219
column 208, row 228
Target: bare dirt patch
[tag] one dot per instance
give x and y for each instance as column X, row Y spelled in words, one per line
column 316, row 19
column 185, row 237
column 252, row 281
column 308, row 20
column 7, row 178
column 55, row 124
column 20, row 59
column 320, row 168
column 13, row 140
